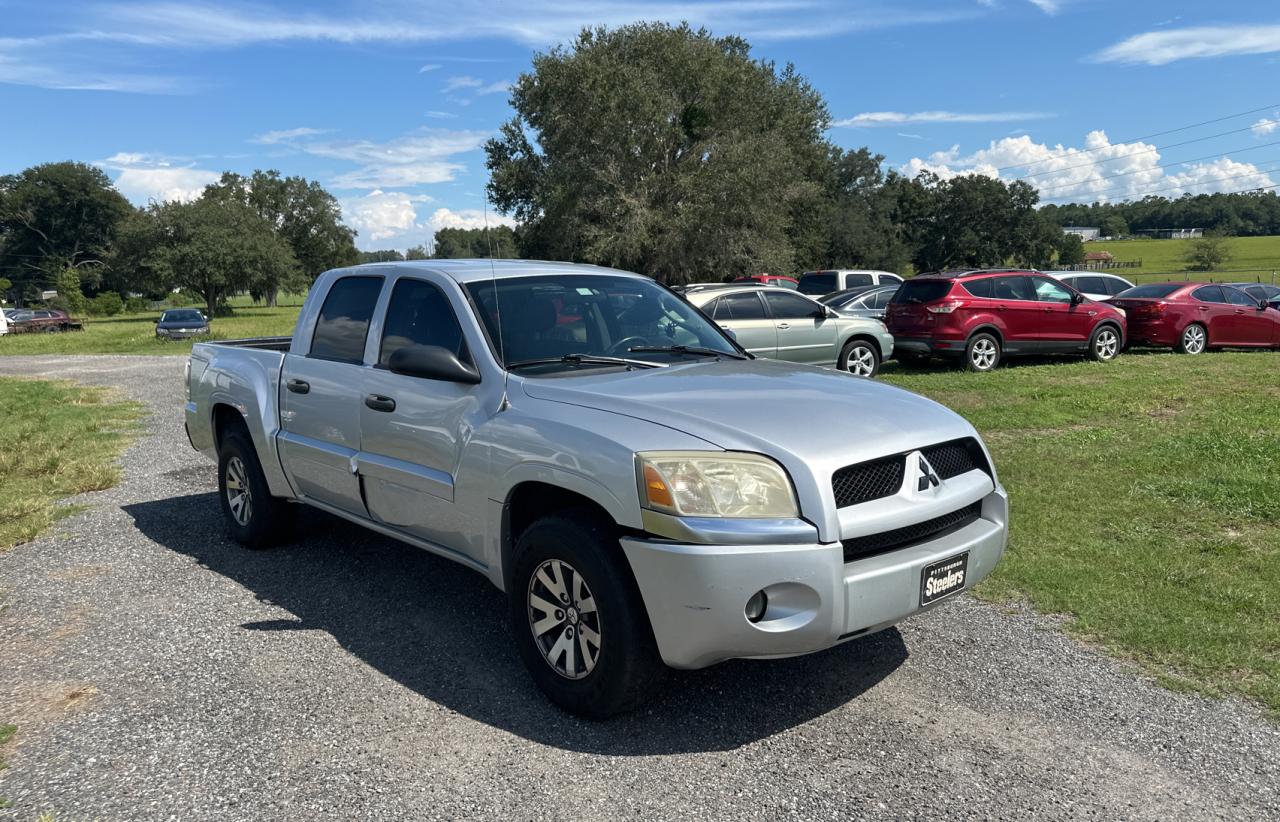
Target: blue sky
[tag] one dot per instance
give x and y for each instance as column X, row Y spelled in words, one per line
column 387, row 102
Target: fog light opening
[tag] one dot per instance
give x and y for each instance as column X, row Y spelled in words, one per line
column 756, row 606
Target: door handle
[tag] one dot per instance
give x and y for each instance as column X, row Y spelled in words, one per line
column 1239, row 310
column 380, row 403
column 298, row 386
column 1203, row 307
column 783, row 326
column 1002, row 308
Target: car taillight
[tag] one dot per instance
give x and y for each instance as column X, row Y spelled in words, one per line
column 1150, row 310
column 943, row 308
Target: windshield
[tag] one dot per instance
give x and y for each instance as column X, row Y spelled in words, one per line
column 562, row 315
column 1154, row 291
column 189, row 315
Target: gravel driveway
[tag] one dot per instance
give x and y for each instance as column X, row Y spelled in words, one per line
column 155, row 670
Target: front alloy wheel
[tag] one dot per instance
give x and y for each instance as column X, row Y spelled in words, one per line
column 563, row 616
column 860, row 359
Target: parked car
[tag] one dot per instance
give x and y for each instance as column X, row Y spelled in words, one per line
column 984, row 316
column 4, row 322
column 868, row 301
column 778, row 280
column 1192, row 317
column 1261, row 291
column 1092, row 284
column 181, row 324
column 783, row 325
column 640, row 488
column 45, row 320
column 691, row 288
column 819, row 283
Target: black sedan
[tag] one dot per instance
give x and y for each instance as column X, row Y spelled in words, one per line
column 181, row 323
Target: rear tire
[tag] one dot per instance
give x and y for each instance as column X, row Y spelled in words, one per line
column 1104, row 344
column 982, row 354
column 254, row 518
column 860, row 358
column 1194, row 339
column 598, row 660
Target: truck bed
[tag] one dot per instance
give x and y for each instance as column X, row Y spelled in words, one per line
column 261, row 343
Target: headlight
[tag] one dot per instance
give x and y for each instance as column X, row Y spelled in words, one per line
column 714, row 484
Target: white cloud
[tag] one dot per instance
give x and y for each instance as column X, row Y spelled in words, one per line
column 441, row 115
column 461, row 82
column 874, row 119
column 271, row 138
column 428, row 67
column 1047, row 6
column 500, row 87
column 465, row 218
column 1156, row 48
column 422, row 157
column 145, row 178
column 1097, row 170
column 380, row 215
column 1266, row 126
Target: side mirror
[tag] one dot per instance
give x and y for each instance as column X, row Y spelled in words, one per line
column 1077, row 298
column 431, row 362
column 1263, row 305
column 733, row 335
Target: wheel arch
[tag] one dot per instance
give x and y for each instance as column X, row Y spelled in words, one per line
column 529, row 500
column 986, row 328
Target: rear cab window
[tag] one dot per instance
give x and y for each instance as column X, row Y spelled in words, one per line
column 914, row 292
column 344, row 318
column 818, row 282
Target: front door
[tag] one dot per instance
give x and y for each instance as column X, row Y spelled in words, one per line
column 744, row 314
column 805, row 334
column 1023, row 315
column 1063, row 321
column 413, row 429
column 1254, row 324
column 319, row 400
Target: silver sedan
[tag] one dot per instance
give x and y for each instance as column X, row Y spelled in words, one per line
column 785, row 325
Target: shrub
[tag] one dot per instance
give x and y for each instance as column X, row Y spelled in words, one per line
column 136, row 305
column 106, row 304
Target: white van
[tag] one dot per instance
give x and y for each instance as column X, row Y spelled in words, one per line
column 821, row 283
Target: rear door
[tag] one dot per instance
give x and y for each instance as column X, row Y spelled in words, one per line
column 321, row 397
column 1023, row 314
column 805, row 333
column 744, row 314
column 411, row 428
column 1216, row 314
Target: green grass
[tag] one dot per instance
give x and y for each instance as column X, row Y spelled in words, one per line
column 1163, row 259
column 6, row 734
column 135, row 333
column 1145, row 504
column 56, row 440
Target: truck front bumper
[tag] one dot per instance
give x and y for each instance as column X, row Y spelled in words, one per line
column 696, row 595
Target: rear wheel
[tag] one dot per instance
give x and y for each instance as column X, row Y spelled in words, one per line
column 860, row 358
column 982, row 353
column 578, row 619
column 1104, row 344
column 1194, row 339
column 254, row 518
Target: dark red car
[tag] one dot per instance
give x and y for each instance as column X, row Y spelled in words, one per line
column 983, row 316
column 41, row 319
column 1190, row 317
column 777, row 280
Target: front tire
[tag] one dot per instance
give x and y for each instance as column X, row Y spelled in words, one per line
column 254, row 518
column 578, row 620
column 982, row 354
column 1194, row 339
column 1104, row 344
column 860, row 358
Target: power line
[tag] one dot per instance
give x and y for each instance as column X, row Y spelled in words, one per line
column 1145, row 137
column 1162, row 165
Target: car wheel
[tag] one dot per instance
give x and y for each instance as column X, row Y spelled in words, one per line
column 50, row 329
column 1104, row 344
column 578, row 619
column 860, row 358
column 1194, row 339
column 254, row 517
column 982, row 353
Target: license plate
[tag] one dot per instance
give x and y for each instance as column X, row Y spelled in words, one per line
column 943, row 578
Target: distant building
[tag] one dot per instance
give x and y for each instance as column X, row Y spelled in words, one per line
column 1098, row 257
column 1171, row 233
column 1082, row 232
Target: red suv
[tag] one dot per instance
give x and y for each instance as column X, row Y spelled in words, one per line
column 984, row 315
column 1191, row 317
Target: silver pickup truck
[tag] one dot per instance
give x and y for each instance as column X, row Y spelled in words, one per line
column 646, row 493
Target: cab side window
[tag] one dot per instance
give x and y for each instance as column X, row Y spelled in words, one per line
column 1209, row 294
column 981, row 288
column 785, row 306
column 1051, row 291
column 419, row 313
column 1013, row 288
column 1236, row 297
column 855, row 280
column 343, row 323
column 739, row 307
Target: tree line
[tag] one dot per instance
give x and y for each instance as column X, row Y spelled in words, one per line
column 64, row 228
column 1242, row 214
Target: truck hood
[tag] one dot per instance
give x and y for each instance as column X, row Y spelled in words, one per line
column 812, row 420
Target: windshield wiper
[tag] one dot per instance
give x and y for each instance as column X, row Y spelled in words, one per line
column 684, row 349
column 587, row 359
